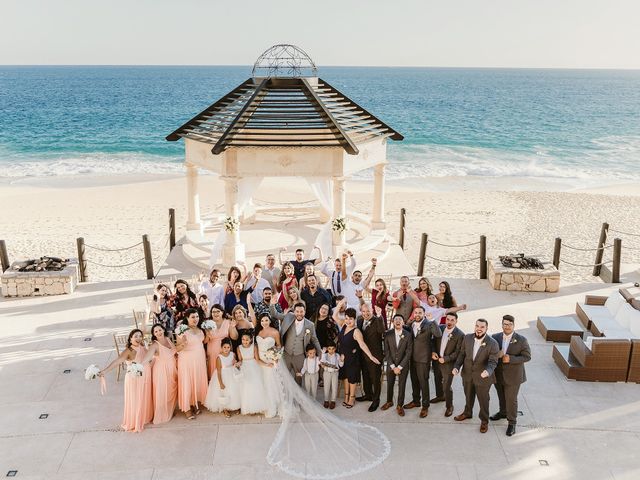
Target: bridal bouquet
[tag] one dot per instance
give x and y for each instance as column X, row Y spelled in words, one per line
column 135, row 369
column 209, row 325
column 274, row 354
column 182, row 328
column 91, row 372
column 339, row 224
column 231, row 224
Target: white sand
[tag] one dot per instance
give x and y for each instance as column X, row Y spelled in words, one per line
column 44, row 216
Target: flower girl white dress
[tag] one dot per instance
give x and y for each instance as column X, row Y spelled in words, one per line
column 229, row 398
column 252, row 386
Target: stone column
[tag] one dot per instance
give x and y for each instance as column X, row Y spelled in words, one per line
column 378, row 197
column 339, row 210
column 233, row 250
column 193, row 198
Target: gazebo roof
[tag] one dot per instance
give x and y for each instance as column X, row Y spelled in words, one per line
column 284, row 112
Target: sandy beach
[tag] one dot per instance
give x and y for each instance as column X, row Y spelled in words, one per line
column 46, row 215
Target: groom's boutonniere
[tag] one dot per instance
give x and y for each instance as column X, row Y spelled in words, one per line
column 307, row 332
column 483, row 344
column 401, row 336
column 514, row 341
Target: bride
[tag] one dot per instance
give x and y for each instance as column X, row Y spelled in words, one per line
column 312, row 442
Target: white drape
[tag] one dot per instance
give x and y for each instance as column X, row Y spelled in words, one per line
column 246, row 188
column 216, row 250
column 322, row 188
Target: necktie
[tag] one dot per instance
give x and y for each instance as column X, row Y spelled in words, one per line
column 365, row 325
column 339, row 288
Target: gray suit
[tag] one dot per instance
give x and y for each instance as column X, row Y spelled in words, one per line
column 442, row 371
column 509, row 376
column 400, row 356
column 472, row 368
column 423, row 346
column 295, row 344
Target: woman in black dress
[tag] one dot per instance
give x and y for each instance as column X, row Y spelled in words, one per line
column 351, row 344
column 326, row 328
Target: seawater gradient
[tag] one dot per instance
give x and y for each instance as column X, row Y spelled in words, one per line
column 574, row 125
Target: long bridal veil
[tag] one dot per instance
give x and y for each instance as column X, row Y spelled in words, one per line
column 314, row 443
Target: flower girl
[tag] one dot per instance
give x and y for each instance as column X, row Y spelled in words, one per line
column 224, row 389
column 252, row 386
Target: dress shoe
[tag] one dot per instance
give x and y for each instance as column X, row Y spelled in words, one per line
column 363, row 398
column 332, row 405
column 448, row 412
column 400, row 411
column 497, row 416
column 386, row 406
column 511, row 430
column 437, row 400
column 411, row 405
column 424, row 412
column 374, row 406
column 461, row 417
column 326, row 404
column 484, row 427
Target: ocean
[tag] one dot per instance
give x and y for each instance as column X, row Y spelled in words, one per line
column 575, row 126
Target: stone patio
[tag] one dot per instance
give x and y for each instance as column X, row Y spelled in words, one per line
column 582, row 430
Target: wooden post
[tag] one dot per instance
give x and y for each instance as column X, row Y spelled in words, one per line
column 82, row 259
column 172, row 228
column 403, row 214
column 148, row 261
column 557, row 246
column 423, row 253
column 483, row 257
column 4, row 256
column 600, row 252
column 617, row 254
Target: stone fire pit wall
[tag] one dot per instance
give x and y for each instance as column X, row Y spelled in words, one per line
column 523, row 280
column 32, row 284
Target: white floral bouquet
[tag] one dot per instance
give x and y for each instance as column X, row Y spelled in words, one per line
column 135, row 368
column 231, row 224
column 91, row 372
column 339, row 224
column 237, row 374
column 209, row 325
column 274, row 354
column 182, row 328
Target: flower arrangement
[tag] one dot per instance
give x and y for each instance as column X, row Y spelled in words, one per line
column 135, row 369
column 91, row 372
column 181, row 329
column 231, row 224
column 274, row 354
column 209, row 325
column 339, row 224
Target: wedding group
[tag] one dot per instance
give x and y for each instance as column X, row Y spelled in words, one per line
column 226, row 346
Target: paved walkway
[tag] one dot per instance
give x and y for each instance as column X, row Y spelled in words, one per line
column 578, row 430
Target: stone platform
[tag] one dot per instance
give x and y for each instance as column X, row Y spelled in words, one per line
column 37, row 284
column 520, row 280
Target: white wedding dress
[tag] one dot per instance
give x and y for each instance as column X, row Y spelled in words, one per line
column 272, row 390
column 312, row 442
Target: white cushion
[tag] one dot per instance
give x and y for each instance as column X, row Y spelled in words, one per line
column 625, row 314
column 595, row 311
column 604, row 323
column 634, row 323
column 614, row 302
column 618, row 333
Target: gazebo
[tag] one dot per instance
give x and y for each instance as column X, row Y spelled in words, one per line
column 284, row 121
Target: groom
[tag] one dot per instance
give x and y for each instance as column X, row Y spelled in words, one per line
column 296, row 333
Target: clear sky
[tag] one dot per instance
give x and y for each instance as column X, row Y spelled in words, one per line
column 462, row 33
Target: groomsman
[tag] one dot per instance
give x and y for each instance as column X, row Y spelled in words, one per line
column 372, row 328
column 478, row 359
column 510, row 374
column 444, row 357
column 424, row 332
column 398, row 343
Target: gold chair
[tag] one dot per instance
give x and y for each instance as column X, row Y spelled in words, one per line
column 120, row 342
column 140, row 318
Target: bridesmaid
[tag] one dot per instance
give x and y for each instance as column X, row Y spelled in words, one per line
column 224, row 328
column 162, row 353
column 192, row 367
column 138, row 402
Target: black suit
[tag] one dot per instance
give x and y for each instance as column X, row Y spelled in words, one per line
column 371, row 373
column 399, row 356
column 509, row 376
column 423, row 346
column 442, row 371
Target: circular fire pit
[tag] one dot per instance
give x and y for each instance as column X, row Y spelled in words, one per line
column 44, row 276
column 516, row 279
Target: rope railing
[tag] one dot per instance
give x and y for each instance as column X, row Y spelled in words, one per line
column 623, row 233
column 587, row 249
column 452, row 261
column 482, row 258
column 115, row 266
column 453, row 246
column 590, row 265
column 104, row 249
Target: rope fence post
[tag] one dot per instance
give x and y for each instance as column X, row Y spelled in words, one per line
column 82, row 259
column 4, row 256
column 483, row 257
column 557, row 246
column 148, row 260
column 172, row 228
column 617, row 255
column 600, row 252
column 423, row 252
column 403, row 214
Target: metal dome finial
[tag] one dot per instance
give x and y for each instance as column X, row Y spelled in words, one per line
column 284, row 60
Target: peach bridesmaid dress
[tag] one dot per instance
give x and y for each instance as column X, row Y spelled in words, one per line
column 138, row 400
column 192, row 372
column 165, row 384
column 214, row 346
